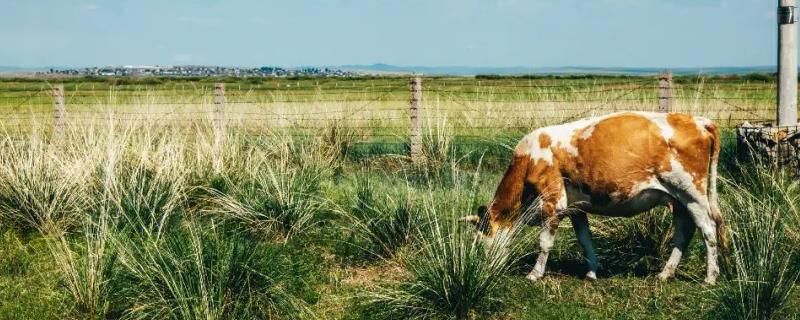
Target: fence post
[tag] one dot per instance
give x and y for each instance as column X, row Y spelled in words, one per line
column 787, row 63
column 416, row 121
column 665, row 91
column 58, row 103
column 219, row 104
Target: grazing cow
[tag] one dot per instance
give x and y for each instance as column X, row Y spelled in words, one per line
column 620, row 164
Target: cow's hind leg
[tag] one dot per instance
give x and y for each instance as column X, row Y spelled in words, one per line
column 682, row 233
column 580, row 223
column 700, row 212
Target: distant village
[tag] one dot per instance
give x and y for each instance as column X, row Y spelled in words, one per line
column 201, row 71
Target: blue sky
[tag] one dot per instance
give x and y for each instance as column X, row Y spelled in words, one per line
column 500, row 33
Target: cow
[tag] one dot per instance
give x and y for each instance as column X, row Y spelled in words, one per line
column 619, row 164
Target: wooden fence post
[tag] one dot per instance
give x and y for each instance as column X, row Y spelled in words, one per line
column 416, row 121
column 665, row 91
column 219, row 104
column 58, row 103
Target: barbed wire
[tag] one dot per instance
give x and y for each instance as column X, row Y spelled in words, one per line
column 369, row 122
column 700, row 91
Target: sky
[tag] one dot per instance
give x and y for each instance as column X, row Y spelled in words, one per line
column 489, row 33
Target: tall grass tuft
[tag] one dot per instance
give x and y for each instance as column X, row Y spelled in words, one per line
column 764, row 261
column 146, row 199
column 87, row 265
column 380, row 221
column 207, row 273
column 41, row 188
column 275, row 199
column 453, row 274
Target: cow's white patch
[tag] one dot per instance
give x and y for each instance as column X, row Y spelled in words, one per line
column 524, row 145
column 561, row 135
column 680, row 178
column 587, row 133
column 539, row 153
column 649, row 184
column 546, row 238
column 660, row 120
column 562, row 201
column 702, row 122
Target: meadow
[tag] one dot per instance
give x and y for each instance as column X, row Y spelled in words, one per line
column 304, row 204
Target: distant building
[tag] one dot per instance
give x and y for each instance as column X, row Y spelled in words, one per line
column 202, row 71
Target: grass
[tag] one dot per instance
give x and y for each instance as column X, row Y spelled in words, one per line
column 158, row 215
column 451, row 273
column 765, row 267
column 204, row 274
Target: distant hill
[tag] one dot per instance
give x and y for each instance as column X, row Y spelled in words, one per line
column 469, row 71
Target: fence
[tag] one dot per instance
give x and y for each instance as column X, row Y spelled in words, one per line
column 390, row 111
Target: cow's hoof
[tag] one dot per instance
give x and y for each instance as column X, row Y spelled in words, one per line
column 533, row 276
column 591, row 275
column 710, row 281
column 664, row 276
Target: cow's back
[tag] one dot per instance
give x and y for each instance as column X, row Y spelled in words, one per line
column 612, row 154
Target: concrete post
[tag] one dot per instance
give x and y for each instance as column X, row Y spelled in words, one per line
column 787, row 63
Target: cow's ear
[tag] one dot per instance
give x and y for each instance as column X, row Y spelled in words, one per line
column 481, row 211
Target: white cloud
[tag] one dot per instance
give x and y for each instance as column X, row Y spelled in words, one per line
column 91, row 7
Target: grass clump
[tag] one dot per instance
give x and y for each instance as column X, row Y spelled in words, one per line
column 205, row 274
column 379, row 222
column 41, row 189
column 274, row 200
column 86, row 266
column 145, row 199
column 452, row 274
column 764, row 268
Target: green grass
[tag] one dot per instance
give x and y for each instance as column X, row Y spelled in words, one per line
column 141, row 221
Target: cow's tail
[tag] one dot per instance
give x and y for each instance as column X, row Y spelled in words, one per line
column 713, row 199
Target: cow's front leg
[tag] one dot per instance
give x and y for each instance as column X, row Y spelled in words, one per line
column 580, row 223
column 547, row 236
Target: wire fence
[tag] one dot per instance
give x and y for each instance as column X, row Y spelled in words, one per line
column 374, row 112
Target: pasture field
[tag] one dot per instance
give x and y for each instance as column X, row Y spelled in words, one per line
column 301, row 203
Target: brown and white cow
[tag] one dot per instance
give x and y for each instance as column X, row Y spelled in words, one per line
column 620, row 164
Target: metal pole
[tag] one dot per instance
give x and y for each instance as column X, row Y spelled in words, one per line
column 665, row 91
column 787, row 63
column 416, row 122
column 58, row 103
